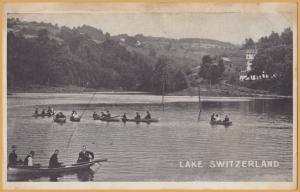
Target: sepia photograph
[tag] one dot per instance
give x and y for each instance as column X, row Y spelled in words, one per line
column 137, row 95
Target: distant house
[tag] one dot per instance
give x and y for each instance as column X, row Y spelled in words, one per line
column 244, row 75
column 229, row 67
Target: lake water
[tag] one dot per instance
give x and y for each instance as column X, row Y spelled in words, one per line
column 262, row 130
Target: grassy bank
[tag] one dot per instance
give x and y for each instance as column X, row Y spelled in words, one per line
column 217, row 90
column 224, row 90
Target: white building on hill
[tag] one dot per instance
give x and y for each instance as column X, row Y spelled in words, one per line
column 250, row 55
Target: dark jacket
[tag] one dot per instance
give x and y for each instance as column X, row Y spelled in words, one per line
column 12, row 159
column 53, row 162
column 85, row 156
column 148, row 116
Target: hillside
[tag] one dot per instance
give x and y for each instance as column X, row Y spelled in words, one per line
column 46, row 54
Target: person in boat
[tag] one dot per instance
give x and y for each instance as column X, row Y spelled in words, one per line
column 95, row 115
column 13, row 157
column 53, row 162
column 60, row 115
column 49, row 111
column 212, row 118
column 108, row 114
column 36, row 111
column 74, row 114
column 103, row 115
column 124, row 117
column 43, row 112
column 226, row 119
column 138, row 116
column 148, row 116
column 217, row 118
column 28, row 161
column 85, row 155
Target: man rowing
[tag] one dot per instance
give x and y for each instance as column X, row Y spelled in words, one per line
column 85, row 155
column 13, row 157
column 138, row 116
column 148, row 116
column 53, row 162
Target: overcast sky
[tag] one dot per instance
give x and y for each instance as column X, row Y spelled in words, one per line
column 228, row 27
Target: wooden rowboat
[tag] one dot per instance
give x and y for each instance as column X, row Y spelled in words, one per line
column 60, row 119
column 228, row 123
column 33, row 170
column 152, row 120
column 109, row 119
column 74, row 119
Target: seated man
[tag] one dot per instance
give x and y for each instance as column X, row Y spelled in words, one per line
column 212, row 118
column 108, row 114
column 148, row 116
column 103, row 115
column 13, row 157
column 95, row 115
column 226, row 119
column 53, row 162
column 84, row 155
column 138, row 116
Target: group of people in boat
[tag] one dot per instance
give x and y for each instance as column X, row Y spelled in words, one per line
column 13, row 160
column 74, row 114
column 50, row 111
column 216, row 118
column 137, row 116
column 124, row 116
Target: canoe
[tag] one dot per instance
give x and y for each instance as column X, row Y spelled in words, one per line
column 220, row 123
column 42, row 115
column 109, row 119
column 43, row 170
column 152, row 120
column 75, row 119
column 60, row 119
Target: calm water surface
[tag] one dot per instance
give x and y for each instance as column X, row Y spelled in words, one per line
column 262, row 130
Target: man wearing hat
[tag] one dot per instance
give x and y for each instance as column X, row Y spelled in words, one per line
column 13, row 157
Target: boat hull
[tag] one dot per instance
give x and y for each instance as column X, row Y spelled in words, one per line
column 73, row 119
column 109, row 119
column 25, row 170
column 141, row 120
column 221, row 123
column 60, row 120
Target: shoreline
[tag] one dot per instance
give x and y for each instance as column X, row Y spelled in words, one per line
column 223, row 91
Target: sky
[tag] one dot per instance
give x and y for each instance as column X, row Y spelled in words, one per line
column 227, row 27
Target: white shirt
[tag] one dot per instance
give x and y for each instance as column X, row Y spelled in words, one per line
column 30, row 161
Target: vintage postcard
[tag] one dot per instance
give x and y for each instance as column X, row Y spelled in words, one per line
column 150, row 96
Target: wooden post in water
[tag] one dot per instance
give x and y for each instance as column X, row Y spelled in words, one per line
column 199, row 100
column 163, row 90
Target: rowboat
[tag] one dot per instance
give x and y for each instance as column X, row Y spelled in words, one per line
column 228, row 123
column 42, row 115
column 60, row 119
column 152, row 120
column 74, row 119
column 43, row 170
column 109, row 119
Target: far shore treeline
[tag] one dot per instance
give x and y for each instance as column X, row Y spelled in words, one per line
column 48, row 55
column 274, row 58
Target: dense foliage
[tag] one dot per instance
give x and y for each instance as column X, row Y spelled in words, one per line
column 71, row 57
column 210, row 70
column 275, row 59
